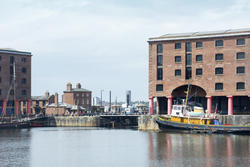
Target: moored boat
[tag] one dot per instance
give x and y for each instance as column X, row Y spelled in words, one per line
column 205, row 125
column 193, row 118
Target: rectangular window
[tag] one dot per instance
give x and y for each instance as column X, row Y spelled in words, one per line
column 159, row 87
column 218, row 86
column 240, row 85
column 0, row 80
column 0, row 58
column 159, row 48
column 199, row 58
column 240, row 55
column 87, row 101
column 178, row 72
column 11, row 59
column 188, row 46
column 240, row 70
column 23, row 80
column 188, row 72
column 159, row 74
column 24, row 70
column 11, row 70
column 0, row 68
column 178, row 45
column 199, row 71
column 240, row 41
column 159, row 60
column 219, row 56
column 199, row 44
column 0, row 91
column 219, row 71
column 188, row 59
column 23, row 59
column 219, row 43
column 177, row 59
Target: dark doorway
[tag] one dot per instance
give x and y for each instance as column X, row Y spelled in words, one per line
column 162, row 105
column 220, row 105
column 241, row 105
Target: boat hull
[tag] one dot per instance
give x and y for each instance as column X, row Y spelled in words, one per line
column 15, row 125
column 176, row 126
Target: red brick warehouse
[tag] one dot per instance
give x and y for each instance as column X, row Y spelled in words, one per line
column 20, row 97
column 215, row 64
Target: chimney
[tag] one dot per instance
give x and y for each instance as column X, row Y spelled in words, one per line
column 69, row 86
column 78, row 86
column 47, row 93
column 56, row 99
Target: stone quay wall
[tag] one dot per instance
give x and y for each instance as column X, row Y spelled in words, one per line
column 235, row 119
column 147, row 122
column 76, row 121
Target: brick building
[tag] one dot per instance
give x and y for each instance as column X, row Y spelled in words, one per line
column 216, row 65
column 39, row 103
column 20, row 97
column 77, row 96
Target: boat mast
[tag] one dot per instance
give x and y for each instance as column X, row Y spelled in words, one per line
column 187, row 94
column 14, row 87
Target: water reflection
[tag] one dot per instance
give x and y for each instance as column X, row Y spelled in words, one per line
column 173, row 149
column 14, row 147
column 116, row 147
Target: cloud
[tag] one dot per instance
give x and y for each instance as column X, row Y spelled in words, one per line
column 104, row 45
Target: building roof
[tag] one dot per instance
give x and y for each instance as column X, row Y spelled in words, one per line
column 39, row 98
column 199, row 35
column 16, row 52
column 77, row 90
column 68, row 106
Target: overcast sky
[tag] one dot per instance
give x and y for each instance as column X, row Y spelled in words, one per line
column 103, row 43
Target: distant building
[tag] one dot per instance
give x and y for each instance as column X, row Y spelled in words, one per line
column 96, row 101
column 215, row 64
column 39, row 103
column 77, row 96
column 128, row 97
column 63, row 109
column 20, row 98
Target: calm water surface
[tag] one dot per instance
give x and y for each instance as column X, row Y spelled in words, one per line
column 98, row 147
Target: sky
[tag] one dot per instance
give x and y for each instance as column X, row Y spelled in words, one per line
column 103, row 43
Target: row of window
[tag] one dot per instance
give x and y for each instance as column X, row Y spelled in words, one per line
column 23, row 81
column 24, row 70
column 198, row 58
column 83, row 95
column 218, row 71
column 239, row 86
column 83, row 101
column 23, row 92
column 23, row 59
column 218, row 86
column 199, row 71
column 199, row 44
